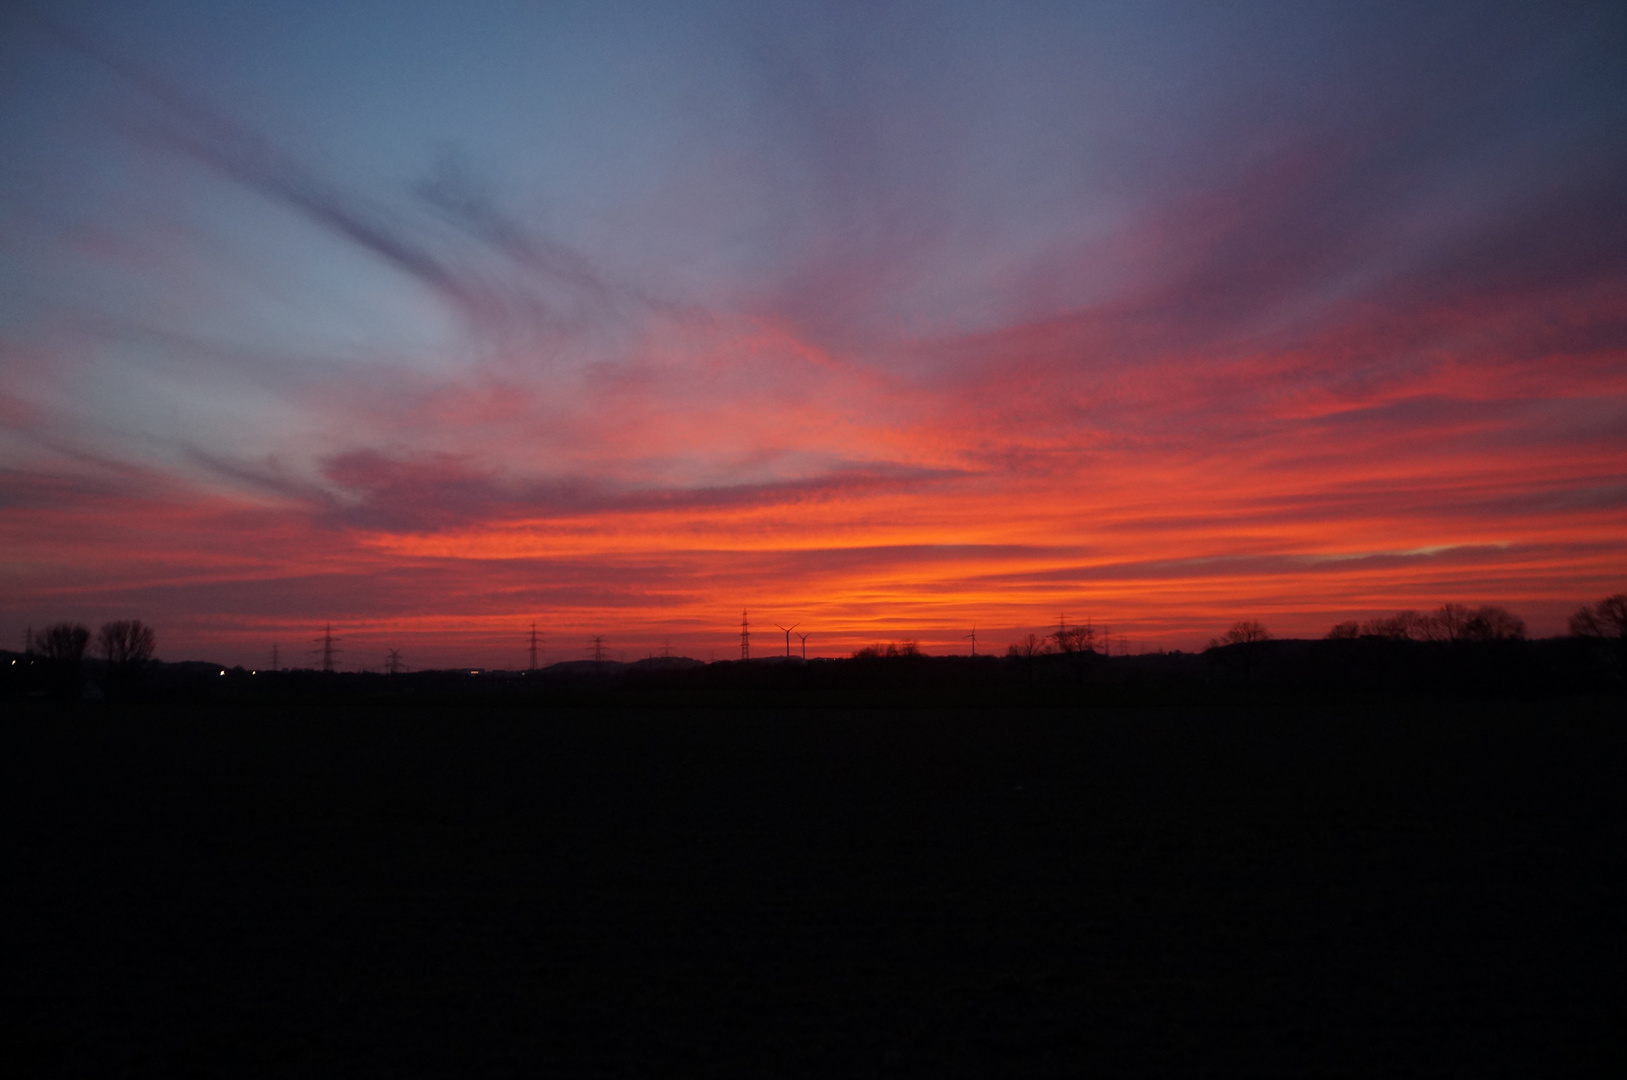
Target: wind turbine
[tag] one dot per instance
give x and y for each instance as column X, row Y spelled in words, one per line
column 804, row 638
column 973, row 636
column 788, row 630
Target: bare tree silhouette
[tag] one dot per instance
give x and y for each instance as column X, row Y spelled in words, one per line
column 63, row 645
column 1247, row 640
column 1607, row 621
column 1074, row 642
column 1491, row 623
column 126, row 644
column 1449, row 621
column 1026, row 649
column 1029, row 647
column 1073, row 639
column 1403, row 624
column 64, row 642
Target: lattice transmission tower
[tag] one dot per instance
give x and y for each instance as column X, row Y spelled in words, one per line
column 326, row 647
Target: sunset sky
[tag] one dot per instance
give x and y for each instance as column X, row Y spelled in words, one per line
column 431, row 320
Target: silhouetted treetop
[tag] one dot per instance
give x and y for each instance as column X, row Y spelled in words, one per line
column 126, row 643
column 1449, row 622
column 63, row 642
column 891, row 649
column 1606, row 619
column 1492, row 623
column 1245, row 632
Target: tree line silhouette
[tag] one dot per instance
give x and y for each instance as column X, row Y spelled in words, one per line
column 1449, row 622
column 1454, row 648
column 126, row 647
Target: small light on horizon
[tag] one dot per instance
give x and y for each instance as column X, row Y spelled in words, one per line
column 223, row 673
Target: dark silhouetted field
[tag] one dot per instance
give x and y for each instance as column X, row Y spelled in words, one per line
column 261, row 890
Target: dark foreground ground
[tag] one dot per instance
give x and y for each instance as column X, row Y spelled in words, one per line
column 1409, row 890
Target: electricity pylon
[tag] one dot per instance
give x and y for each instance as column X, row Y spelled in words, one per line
column 276, row 658
column 598, row 648
column 745, row 637
column 392, row 662
column 327, row 650
column 788, row 630
column 533, row 666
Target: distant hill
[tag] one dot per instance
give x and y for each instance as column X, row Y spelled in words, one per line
column 584, row 667
column 665, row 663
